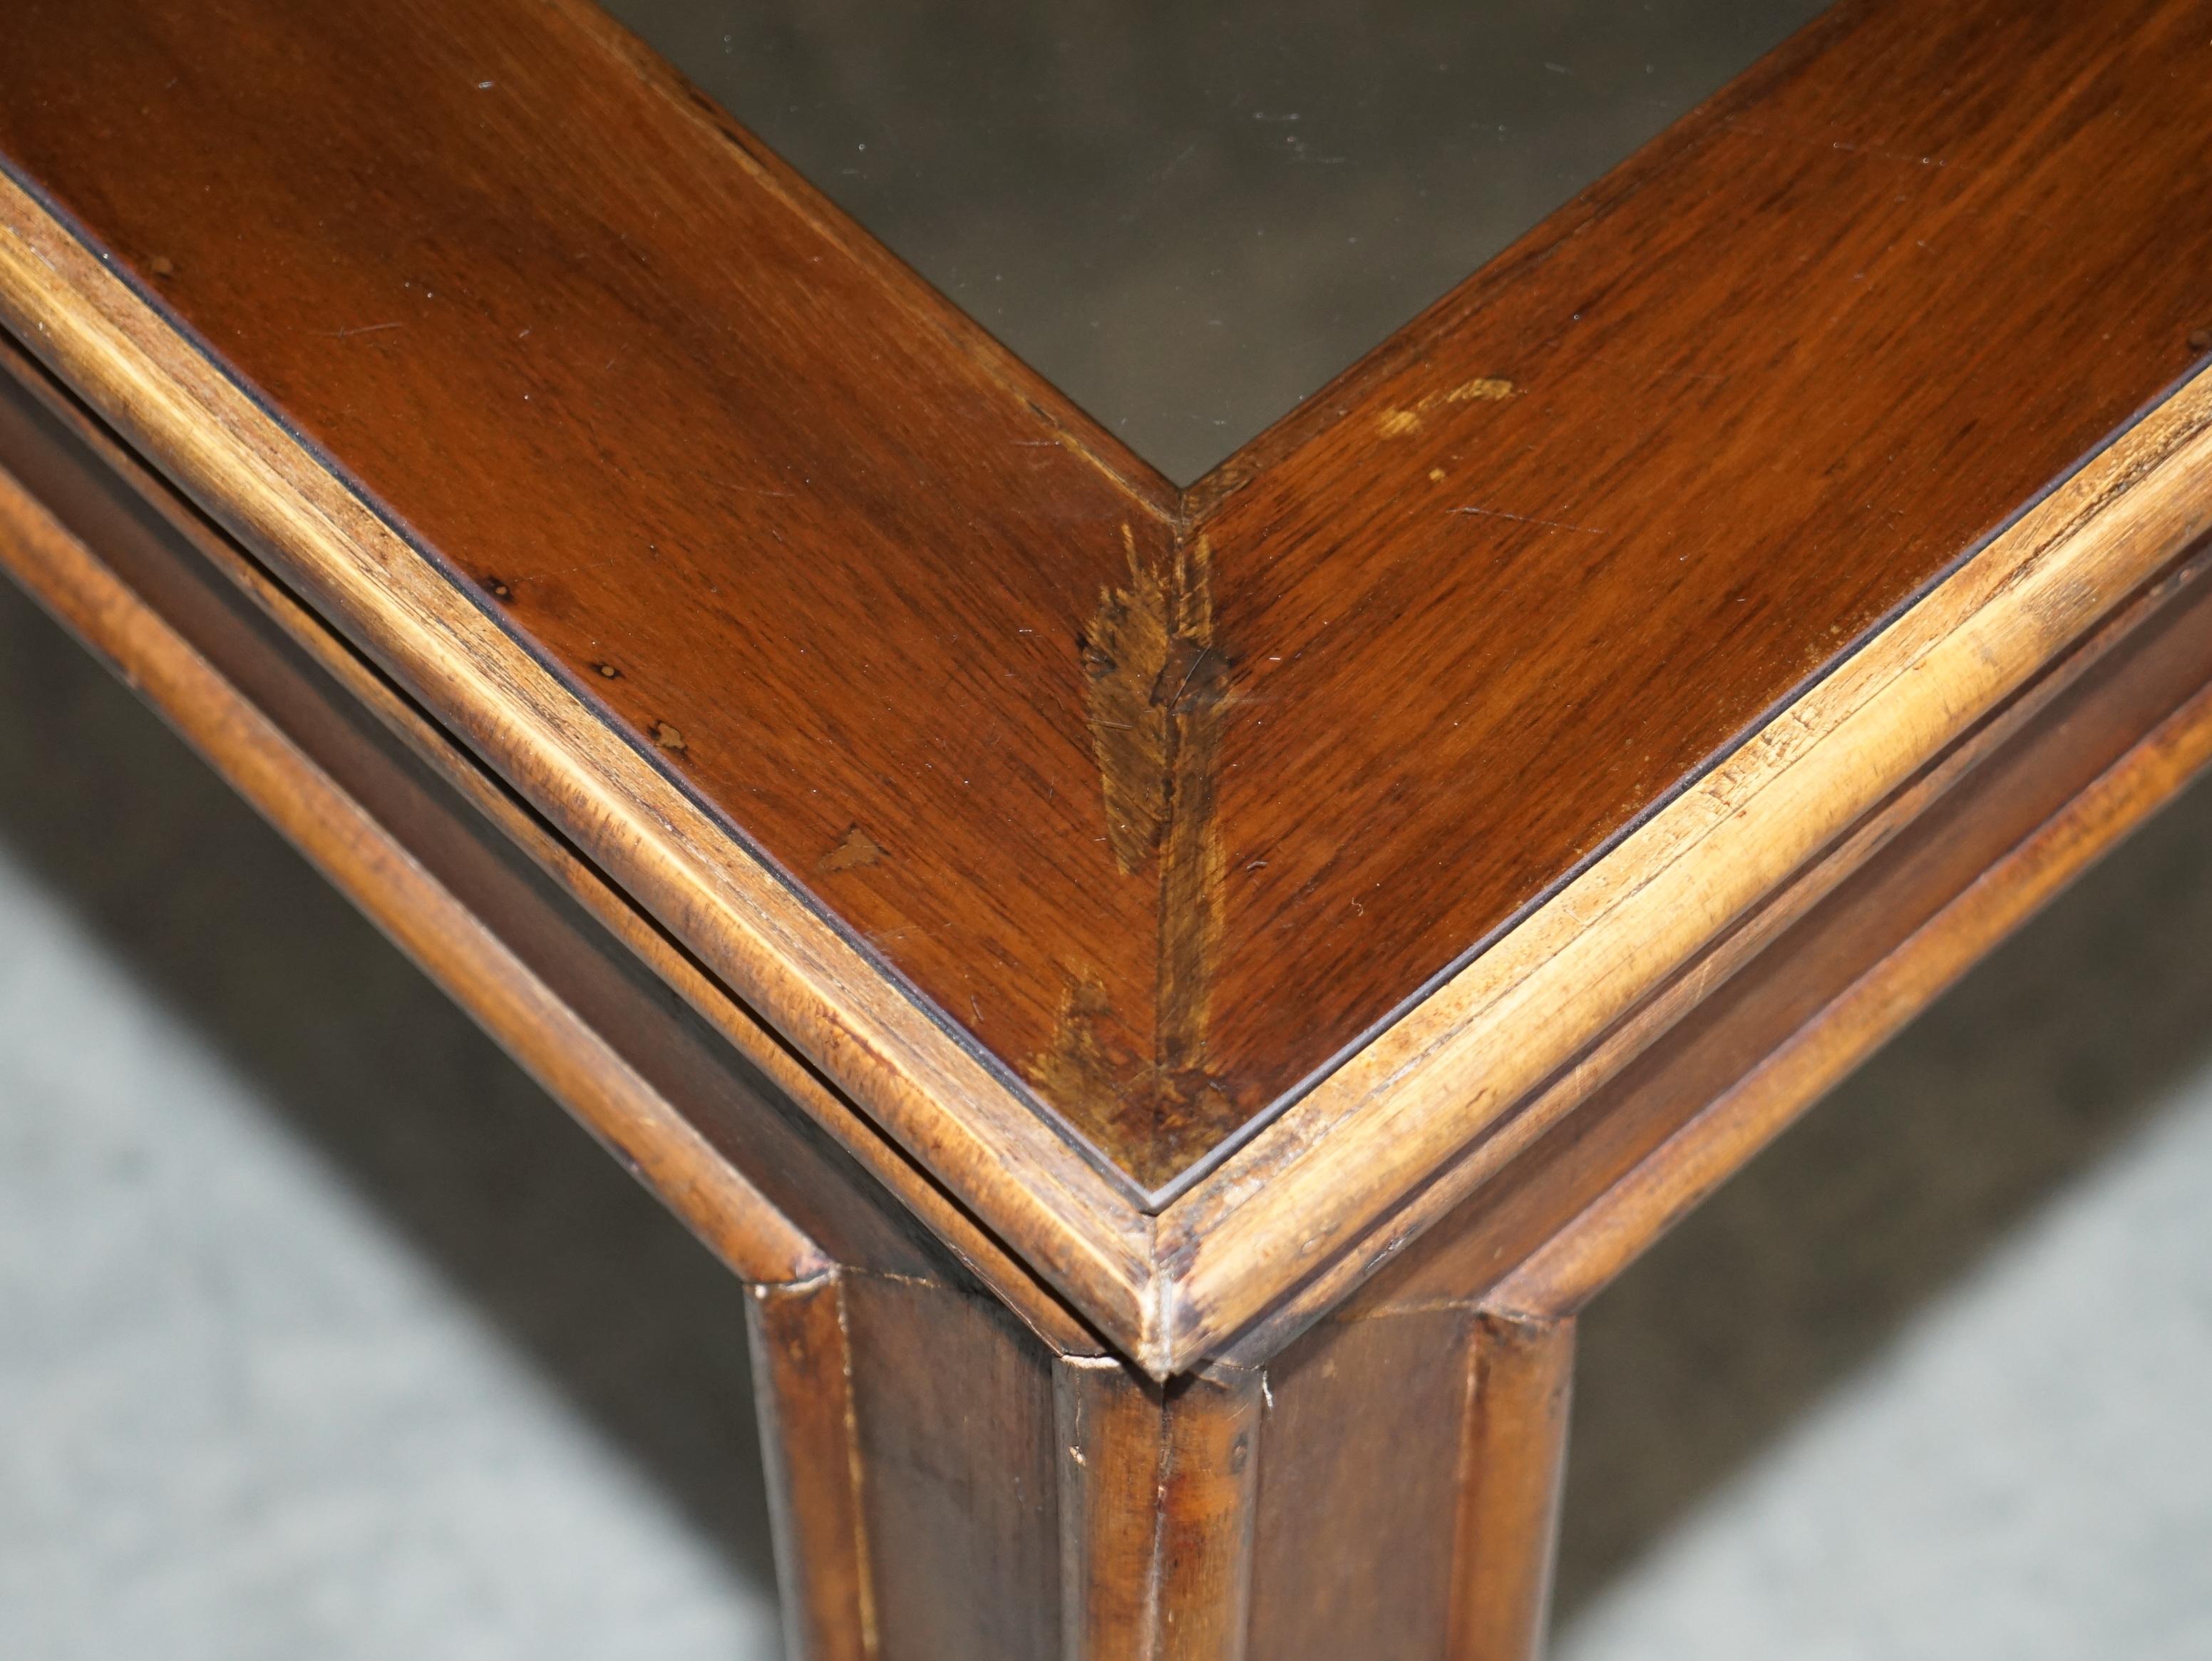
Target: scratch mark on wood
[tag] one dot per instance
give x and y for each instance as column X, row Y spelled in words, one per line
column 1522, row 519
column 1191, row 688
column 1125, row 650
column 855, row 849
column 1483, row 389
column 1488, row 389
column 1157, row 682
column 1083, row 1069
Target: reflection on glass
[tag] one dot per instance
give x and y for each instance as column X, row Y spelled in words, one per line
column 1189, row 214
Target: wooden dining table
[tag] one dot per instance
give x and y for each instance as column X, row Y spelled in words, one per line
column 1171, row 997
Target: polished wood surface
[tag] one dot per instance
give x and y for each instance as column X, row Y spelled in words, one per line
column 1519, row 1041
column 1752, row 521
column 1162, row 802
column 2022, row 805
column 798, row 980
column 578, row 940
column 781, row 517
column 1549, row 554
column 951, row 1481
column 1464, row 1080
column 1832, row 1023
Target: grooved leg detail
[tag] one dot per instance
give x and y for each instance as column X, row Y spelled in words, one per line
column 1156, row 1507
column 947, row 1487
column 1512, row 1458
column 802, row 1374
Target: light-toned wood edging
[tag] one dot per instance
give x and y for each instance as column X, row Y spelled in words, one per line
column 952, row 1114
column 1615, row 1229
column 1314, row 1184
column 1311, row 1184
column 360, row 859
column 975, row 1249
column 1956, row 786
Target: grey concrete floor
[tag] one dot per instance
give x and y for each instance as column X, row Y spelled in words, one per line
column 322, row 1333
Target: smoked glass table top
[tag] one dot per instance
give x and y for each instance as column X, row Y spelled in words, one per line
column 1190, row 216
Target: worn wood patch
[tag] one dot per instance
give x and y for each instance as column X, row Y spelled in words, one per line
column 1160, row 683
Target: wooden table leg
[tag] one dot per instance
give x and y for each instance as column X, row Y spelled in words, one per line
column 802, row 1384
column 946, row 1485
column 1516, row 1441
column 946, row 1480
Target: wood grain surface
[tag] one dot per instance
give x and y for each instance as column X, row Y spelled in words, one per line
column 1550, row 553
column 1521, row 1039
column 1064, row 830
column 762, row 1110
column 1162, row 803
column 444, row 908
column 1833, row 1017
column 1306, row 934
column 2048, row 783
column 817, row 546
column 952, row 1491
column 794, row 970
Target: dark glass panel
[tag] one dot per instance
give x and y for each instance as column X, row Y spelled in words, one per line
column 1190, row 216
